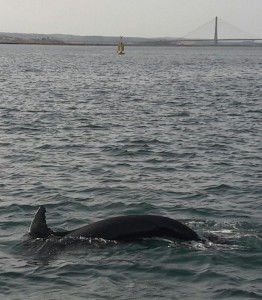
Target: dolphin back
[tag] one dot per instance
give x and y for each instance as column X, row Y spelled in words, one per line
column 136, row 227
column 121, row 228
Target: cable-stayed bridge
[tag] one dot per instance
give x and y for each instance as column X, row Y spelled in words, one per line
column 218, row 31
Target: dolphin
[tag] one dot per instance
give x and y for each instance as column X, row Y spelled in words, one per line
column 121, row 228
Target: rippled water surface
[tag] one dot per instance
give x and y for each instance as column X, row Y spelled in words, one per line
column 169, row 131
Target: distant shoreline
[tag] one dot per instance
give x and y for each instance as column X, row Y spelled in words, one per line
column 132, row 45
column 75, row 40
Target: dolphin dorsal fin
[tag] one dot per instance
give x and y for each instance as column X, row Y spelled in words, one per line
column 38, row 227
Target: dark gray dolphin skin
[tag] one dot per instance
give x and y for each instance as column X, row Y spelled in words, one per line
column 122, row 228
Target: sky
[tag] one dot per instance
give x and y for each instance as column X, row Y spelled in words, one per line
column 138, row 18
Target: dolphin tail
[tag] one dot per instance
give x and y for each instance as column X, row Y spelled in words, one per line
column 38, row 227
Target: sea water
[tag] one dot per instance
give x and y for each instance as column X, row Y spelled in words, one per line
column 170, row 131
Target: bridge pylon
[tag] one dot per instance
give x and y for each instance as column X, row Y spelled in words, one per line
column 216, row 33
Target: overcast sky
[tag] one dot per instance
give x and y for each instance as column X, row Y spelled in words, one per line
column 143, row 18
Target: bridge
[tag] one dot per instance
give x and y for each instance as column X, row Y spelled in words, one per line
column 218, row 31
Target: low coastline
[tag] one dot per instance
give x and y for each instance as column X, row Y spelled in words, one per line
column 74, row 40
column 178, row 44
